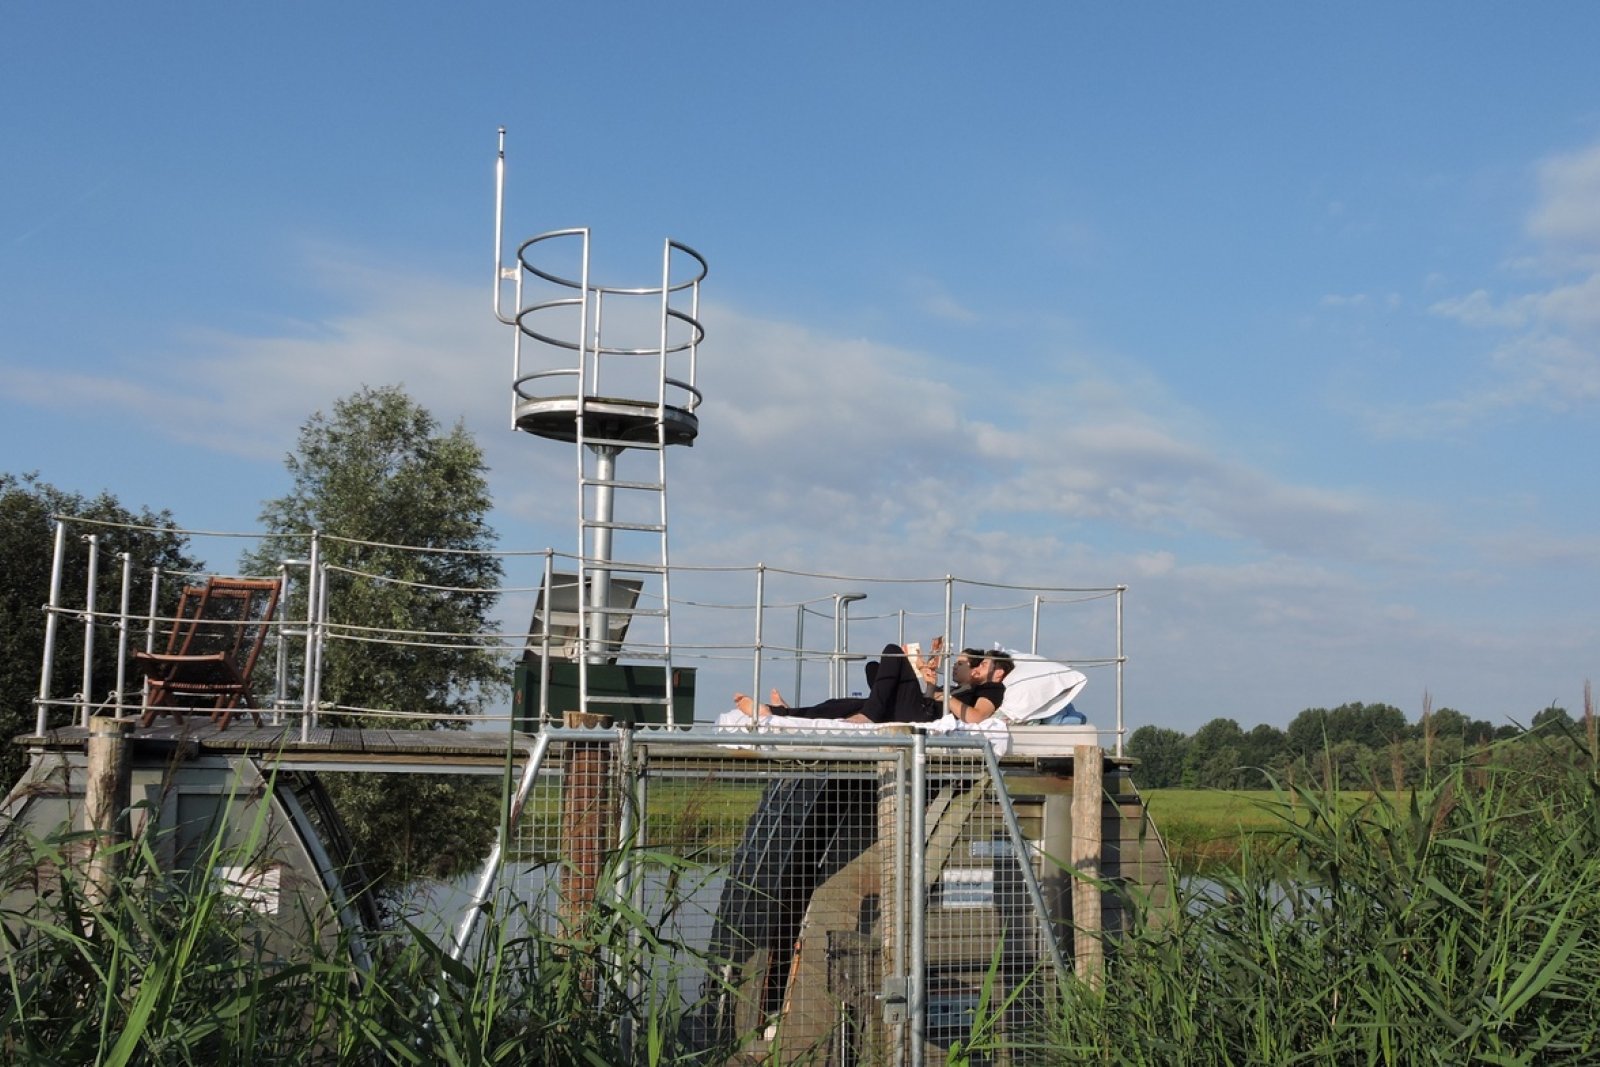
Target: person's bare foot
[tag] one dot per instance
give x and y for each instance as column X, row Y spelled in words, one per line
column 775, row 698
column 750, row 707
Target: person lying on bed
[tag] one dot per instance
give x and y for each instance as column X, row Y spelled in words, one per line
column 899, row 691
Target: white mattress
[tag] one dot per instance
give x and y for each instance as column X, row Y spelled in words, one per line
column 992, row 729
column 1015, row 739
column 1050, row 740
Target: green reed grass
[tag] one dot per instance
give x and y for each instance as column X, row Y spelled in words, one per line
column 1454, row 926
column 171, row 968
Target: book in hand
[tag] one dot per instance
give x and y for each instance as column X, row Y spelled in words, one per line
column 918, row 664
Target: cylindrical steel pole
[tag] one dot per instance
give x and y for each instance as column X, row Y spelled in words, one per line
column 52, row 610
column 1121, row 659
column 799, row 651
column 86, row 696
column 755, row 681
column 308, row 675
column 916, row 986
column 123, row 623
column 599, row 592
column 155, row 604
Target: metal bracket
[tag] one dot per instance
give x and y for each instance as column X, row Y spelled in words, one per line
column 895, row 1000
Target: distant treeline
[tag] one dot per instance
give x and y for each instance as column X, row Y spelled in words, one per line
column 1353, row 746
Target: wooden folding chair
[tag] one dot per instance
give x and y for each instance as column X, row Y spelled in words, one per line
column 216, row 638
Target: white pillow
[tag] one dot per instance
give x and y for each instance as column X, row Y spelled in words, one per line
column 1039, row 688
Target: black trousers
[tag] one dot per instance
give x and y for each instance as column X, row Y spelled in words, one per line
column 894, row 695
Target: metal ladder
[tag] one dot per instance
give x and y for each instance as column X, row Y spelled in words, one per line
column 623, row 514
column 599, row 485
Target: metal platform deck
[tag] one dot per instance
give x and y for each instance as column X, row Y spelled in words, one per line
column 323, row 749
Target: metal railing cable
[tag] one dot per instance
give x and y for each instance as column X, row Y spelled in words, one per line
column 955, row 606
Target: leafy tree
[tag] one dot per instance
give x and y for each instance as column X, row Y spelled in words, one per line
column 1160, row 752
column 1262, row 751
column 1213, row 759
column 1481, row 731
column 375, row 474
column 27, row 539
column 1448, row 722
column 1553, row 720
column 1372, row 725
column 1307, row 733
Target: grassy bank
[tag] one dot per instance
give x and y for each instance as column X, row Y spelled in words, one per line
column 1206, row 830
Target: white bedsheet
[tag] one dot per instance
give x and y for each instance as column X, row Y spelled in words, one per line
column 993, row 729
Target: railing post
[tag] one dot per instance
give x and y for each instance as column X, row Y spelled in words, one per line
column 123, row 624
column 838, row 685
column 321, row 579
column 755, row 681
column 544, row 637
column 1121, row 659
column 307, row 682
column 948, row 660
column 41, row 720
column 87, row 693
column 916, row 900
column 799, row 651
column 155, row 603
column 150, row 633
column 280, row 665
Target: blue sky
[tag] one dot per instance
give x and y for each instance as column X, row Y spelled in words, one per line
column 1287, row 317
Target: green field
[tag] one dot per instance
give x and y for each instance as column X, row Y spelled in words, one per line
column 1205, row 828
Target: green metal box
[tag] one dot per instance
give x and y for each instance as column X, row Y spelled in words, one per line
column 607, row 680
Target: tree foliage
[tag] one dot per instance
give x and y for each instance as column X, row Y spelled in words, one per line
column 401, row 510
column 1160, row 752
column 28, row 508
column 1214, row 754
column 1352, row 746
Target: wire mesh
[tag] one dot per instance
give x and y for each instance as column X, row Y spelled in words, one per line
column 778, row 892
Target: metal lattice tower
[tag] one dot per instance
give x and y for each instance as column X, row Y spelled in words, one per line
column 611, row 370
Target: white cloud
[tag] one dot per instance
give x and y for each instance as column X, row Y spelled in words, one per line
column 1547, row 353
column 834, row 449
column 247, row 394
column 1478, row 309
column 1568, row 212
column 937, row 301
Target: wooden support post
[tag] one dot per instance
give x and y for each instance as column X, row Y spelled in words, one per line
column 106, row 801
column 588, row 818
column 1088, row 789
